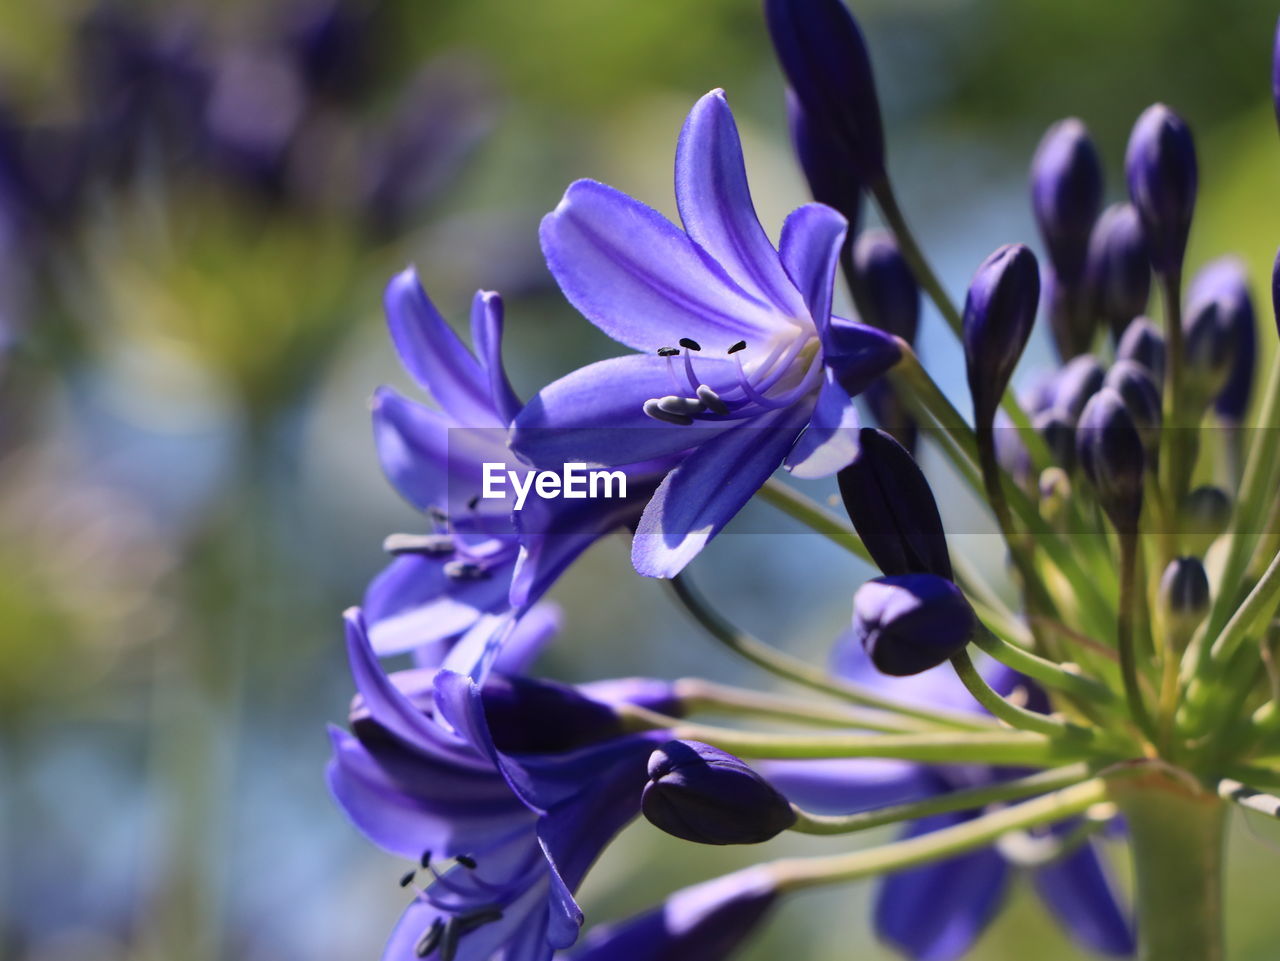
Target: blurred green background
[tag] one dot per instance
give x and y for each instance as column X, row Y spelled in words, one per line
column 200, row 204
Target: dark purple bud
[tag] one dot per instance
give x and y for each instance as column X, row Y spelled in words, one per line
column 1224, row 281
column 893, row 509
column 830, row 181
column 888, row 296
column 1143, row 343
column 1208, row 348
column 999, row 312
column 1141, row 396
column 912, row 623
column 1066, row 195
column 700, row 793
column 1059, row 432
column 825, row 59
column 1160, row 166
column 1117, row 269
column 332, row 44
column 1071, row 319
column 709, row 922
column 1184, row 595
column 1075, row 383
column 542, row 717
column 1109, row 450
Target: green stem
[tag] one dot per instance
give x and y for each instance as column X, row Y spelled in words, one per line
column 697, row 695
column 1124, row 631
column 798, row 873
column 814, row 516
column 1250, row 616
column 1011, row 714
column 1176, row 835
column 1047, row 673
column 967, row 800
column 1176, row 455
column 801, row 672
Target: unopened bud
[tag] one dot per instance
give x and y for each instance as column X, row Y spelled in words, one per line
column 1204, row 516
column 1066, row 195
column 1160, row 165
column 700, row 793
column 1184, row 597
column 1143, row 343
column 912, row 623
column 999, row 312
column 1118, row 270
column 1109, row 450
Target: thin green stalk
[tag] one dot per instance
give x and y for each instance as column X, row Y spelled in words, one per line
column 1011, row 714
column 1047, row 673
column 697, row 695
column 798, row 873
column 1124, row 632
column 966, row 800
column 1252, row 615
column 936, row 747
column 801, row 672
column 1176, row 454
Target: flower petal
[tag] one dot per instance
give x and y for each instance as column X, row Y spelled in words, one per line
column 641, row 280
column 830, row 441
column 432, row 353
column 936, row 912
column 715, row 205
column 709, row 487
column 486, row 335
column 812, row 236
column 595, row 414
column 1078, row 891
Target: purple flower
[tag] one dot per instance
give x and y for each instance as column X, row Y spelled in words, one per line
column 1109, row 449
column 1160, row 164
column 708, row 921
column 999, row 312
column 476, row 562
column 703, row 794
column 937, row 912
column 1066, row 195
column 825, row 59
column 762, row 374
column 910, row 623
column 422, row 777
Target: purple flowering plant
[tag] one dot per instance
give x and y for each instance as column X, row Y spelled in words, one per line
column 1129, row 689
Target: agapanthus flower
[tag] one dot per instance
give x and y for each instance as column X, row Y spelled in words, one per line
column 477, row 561
column 744, row 368
column 428, row 774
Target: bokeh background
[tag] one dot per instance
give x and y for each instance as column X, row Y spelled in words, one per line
column 199, row 204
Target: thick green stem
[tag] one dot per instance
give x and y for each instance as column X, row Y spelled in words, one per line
column 1176, row 835
column 1124, row 632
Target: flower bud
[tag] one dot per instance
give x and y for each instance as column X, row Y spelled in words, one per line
column 911, row 623
column 1160, row 166
column 1071, row 320
column 1141, row 396
column 1066, row 195
column 1143, row 342
column 825, row 59
column 1109, row 450
column 1074, row 384
column 1059, row 433
column 1184, row 597
column 830, row 181
column 1117, row 269
column 888, row 296
column 999, row 312
column 1203, row 516
column 1223, row 281
column 700, row 793
column 1208, row 349
column 891, row 505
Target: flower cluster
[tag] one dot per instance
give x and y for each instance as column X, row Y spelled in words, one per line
column 1130, row 678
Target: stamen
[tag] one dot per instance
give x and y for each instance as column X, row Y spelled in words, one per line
column 430, row 939
column 466, row 860
column 668, row 351
column 690, row 344
column 465, row 571
column 433, row 545
column 712, row 400
column 406, row 879
column 681, row 406
column 449, row 948
column 471, row 504
column 740, row 345
column 477, row 919
column 425, row 860
column 652, row 409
